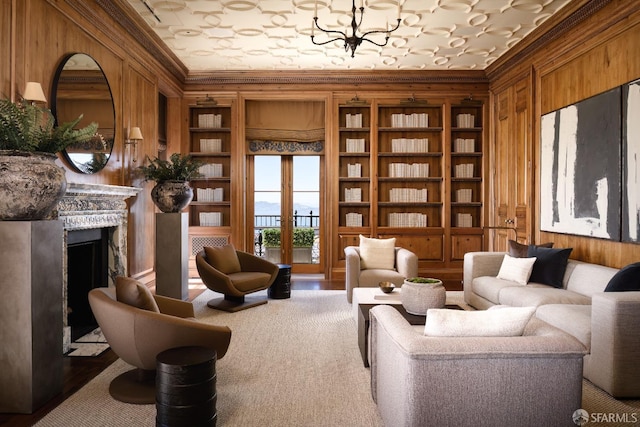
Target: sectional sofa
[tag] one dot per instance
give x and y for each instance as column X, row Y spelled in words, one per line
column 606, row 323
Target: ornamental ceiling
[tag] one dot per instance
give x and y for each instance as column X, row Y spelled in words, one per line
column 275, row 34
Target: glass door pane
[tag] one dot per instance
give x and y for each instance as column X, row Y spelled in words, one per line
column 268, row 207
column 306, row 209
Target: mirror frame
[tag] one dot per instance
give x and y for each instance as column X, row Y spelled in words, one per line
column 99, row 156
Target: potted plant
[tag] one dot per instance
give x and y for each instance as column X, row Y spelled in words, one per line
column 303, row 238
column 32, row 184
column 172, row 191
column 418, row 294
column 271, row 242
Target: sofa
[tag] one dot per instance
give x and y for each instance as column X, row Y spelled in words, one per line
column 606, row 323
column 534, row 379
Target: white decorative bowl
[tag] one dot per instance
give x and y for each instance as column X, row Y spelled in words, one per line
column 417, row 298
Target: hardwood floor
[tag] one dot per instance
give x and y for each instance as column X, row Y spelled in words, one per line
column 78, row 371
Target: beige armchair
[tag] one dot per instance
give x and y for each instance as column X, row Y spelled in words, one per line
column 234, row 274
column 530, row 380
column 405, row 266
column 138, row 326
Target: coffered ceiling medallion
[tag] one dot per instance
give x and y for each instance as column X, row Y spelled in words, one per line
column 275, row 34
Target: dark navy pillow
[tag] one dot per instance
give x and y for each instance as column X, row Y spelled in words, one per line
column 550, row 265
column 627, row 279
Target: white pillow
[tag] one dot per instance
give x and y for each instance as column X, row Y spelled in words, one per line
column 516, row 269
column 505, row 322
column 377, row 253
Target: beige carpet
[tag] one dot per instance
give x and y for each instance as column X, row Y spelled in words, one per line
column 292, row 362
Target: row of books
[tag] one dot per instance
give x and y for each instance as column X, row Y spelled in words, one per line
column 210, row 194
column 410, row 145
column 210, row 219
column 464, row 145
column 355, row 145
column 408, row 195
column 464, row 220
column 353, row 120
column 211, row 170
column 209, row 120
column 465, row 120
column 464, row 195
column 210, row 145
column 414, row 120
column 408, row 170
column 354, row 170
column 353, row 219
column 407, row 219
column 353, row 194
column 464, row 170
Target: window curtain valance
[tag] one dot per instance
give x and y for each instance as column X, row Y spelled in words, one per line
column 288, row 121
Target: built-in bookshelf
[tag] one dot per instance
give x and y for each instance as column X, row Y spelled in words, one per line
column 466, row 165
column 354, row 135
column 210, row 142
column 409, row 156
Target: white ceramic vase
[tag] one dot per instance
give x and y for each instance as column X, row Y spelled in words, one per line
column 417, row 298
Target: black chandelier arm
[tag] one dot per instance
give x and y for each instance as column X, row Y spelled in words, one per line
column 380, row 31
column 328, row 41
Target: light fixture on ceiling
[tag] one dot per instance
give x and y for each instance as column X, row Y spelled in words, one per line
column 135, row 135
column 352, row 41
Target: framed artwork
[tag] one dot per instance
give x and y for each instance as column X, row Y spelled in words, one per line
column 581, row 168
column 631, row 164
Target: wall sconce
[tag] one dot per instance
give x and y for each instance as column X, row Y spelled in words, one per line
column 33, row 92
column 134, row 136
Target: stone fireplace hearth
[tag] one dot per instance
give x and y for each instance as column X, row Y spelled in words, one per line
column 95, row 206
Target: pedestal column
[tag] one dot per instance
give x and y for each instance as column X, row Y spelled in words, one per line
column 172, row 257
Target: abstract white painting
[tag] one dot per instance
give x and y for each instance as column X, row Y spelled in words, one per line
column 631, row 156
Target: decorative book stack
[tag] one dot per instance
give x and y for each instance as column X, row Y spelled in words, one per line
column 209, row 120
column 210, row 145
column 353, row 194
column 210, row 219
column 354, row 219
column 465, row 120
column 354, row 170
column 211, row 170
column 415, row 120
column 408, row 195
column 355, row 145
column 465, row 145
column 409, row 170
column 407, row 219
column 210, row 194
column 410, row 145
column 464, row 195
column 464, row 220
column 464, row 170
column 353, row 120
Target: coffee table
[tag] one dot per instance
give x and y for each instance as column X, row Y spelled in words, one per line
column 364, row 299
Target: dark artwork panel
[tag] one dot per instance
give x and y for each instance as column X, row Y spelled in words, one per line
column 581, row 168
column 631, row 167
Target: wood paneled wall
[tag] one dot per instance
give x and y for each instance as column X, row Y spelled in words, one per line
column 600, row 53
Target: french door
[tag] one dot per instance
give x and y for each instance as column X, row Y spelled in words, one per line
column 287, row 210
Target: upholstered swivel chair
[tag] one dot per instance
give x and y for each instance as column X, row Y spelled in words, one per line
column 402, row 264
column 139, row 325
column 234, row 274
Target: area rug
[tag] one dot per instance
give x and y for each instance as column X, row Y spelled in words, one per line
column 291, row 362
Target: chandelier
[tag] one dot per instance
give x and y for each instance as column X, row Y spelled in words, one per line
column 353, row 41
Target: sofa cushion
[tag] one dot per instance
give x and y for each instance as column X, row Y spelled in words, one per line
column 489, row 287
column 518, row 250
column 535, row 294
column 627, row 279
column 503, row 322
column 135, row 294
column 571, row 318
column 586, row 278
column 550, row 265
column 516, row 269
column 377, row 253
column 223, row 258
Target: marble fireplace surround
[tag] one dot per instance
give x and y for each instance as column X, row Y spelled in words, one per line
column 96, row 206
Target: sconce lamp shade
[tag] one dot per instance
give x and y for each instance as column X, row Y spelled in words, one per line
column 135, row 133
column 33, row 92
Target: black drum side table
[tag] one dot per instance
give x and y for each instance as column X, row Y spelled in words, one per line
column 186, row 387
column 281, row 287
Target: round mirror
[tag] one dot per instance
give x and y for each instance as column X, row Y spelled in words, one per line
column 81, row 88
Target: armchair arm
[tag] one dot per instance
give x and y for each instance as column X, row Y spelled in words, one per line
column 352, row 273
column 614, row 362
column 174, row 307
column 250, row 262
column 406, row 262
column 478, row 264
column 214, row 279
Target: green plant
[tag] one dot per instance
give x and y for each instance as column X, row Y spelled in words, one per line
column 422, row 280
column 302, row 237
column 271, row 237
column 28, row 127
column 178, row 168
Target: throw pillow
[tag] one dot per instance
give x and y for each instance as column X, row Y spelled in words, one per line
column 627, row 279
column 135, row 294
column 550, row 265
column 518, row 250
column 377, row 253
column 223, row 258
column 516, row 269
column 505, row 322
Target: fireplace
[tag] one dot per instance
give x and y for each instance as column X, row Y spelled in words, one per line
column 95, row 222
